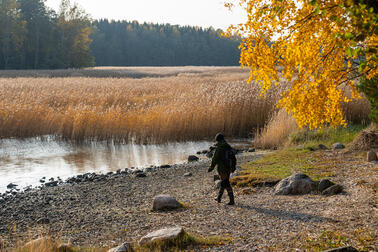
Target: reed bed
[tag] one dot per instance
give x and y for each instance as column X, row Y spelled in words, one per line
column 192, row 104
column 189, row 106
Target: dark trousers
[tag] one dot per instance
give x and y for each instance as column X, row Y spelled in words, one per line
column 225, row 184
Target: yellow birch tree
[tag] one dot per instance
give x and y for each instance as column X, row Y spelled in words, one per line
column 320, row 46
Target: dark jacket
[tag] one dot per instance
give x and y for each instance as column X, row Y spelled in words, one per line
column 219, row 160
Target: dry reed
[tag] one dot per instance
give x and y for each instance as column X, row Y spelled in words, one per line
column 277, row 131
column 178, row 108
column 190, row 104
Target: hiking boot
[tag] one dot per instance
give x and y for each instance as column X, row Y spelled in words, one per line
column 231, row 196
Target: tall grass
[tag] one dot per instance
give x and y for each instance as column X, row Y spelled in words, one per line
column 189, row 104
column 277, row 131
column 177, row 108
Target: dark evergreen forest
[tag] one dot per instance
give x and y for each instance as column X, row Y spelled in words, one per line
column 32, row 36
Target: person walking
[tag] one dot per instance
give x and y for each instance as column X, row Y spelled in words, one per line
column 225, row 161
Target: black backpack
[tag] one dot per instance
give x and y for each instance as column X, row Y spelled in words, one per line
column 231, row 159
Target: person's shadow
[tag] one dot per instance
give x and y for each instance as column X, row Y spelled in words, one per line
column 288, row 215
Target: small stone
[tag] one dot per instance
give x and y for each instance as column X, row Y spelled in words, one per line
column 188, row 174
column 11, row 185
column 140, row 175
column 322, row 147
column 51, row 184
column 165, row 166
column 342, row 249
column 165, row 202
column 338, row 146
column 43, row 221
column 204, row 152
column 371, row 156
column 335, row 189
column 192, row 158
column 324, row 184
column 125, row 247
column 162, row 235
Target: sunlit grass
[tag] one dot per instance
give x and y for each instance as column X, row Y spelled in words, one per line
column 297, row 156
column 177, row 108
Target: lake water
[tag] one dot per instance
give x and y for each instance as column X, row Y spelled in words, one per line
column 25, row 162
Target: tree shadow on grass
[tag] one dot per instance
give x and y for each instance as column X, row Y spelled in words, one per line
column 289, row 215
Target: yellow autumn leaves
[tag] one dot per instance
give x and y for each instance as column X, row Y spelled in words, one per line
column 307, row 43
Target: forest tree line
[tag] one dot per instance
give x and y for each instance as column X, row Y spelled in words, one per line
column 33, row 36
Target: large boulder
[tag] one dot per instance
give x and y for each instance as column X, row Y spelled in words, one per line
column 165, row 202
column 371, row 156
column 324, row 184
column 162, row 235
column 335, row 189
column 296, row 184
column 125, row 247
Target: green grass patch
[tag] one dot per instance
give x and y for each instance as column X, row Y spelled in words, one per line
column 281, row 164
column 326, row 136
column 299, row 155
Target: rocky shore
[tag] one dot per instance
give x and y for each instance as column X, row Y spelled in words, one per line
column 107, row 210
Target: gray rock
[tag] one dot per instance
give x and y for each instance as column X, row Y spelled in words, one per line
column 342, row 249
column 192, row 158
column 296, row 184
column 140, row 175
column 338, row 146
column 371, row 156
column 209, row 154
column 335, row 189
column 51, row 184
column 188, row 174
column 322, row 147
column 125, row 247
column 162, row 235
column 43, row 221
column 11, row 185
column 165, row 202
column 165, row 166
column 324, row 184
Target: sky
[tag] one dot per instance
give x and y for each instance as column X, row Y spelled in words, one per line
column 203, row 13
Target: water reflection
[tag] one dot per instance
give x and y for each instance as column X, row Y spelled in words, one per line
column 25, row 162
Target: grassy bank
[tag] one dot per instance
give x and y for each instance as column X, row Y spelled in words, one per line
column 298, row 154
